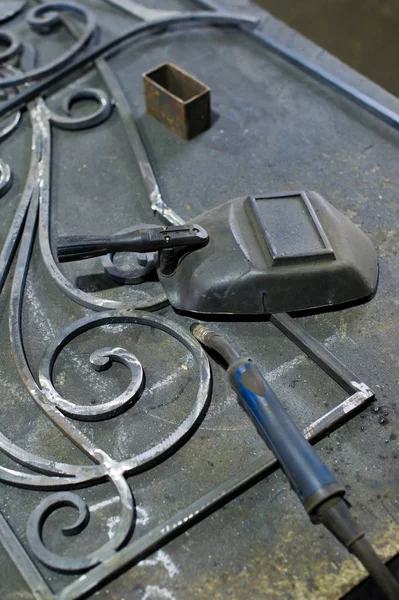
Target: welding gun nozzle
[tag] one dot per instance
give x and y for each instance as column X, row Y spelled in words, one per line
column 213, row 340
column 202, row 333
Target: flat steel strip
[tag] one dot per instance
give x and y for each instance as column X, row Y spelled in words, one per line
column 317, row 352
column 22, row 561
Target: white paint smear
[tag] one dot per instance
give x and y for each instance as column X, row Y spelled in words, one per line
column 142, row 516
column 164, row 559
column 112, row 524
column 169, row 379
column 104, row 503
column 154, row 592
column 142, row 513
column 298, row 360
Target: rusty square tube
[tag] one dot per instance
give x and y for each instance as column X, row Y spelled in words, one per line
column 178, row 100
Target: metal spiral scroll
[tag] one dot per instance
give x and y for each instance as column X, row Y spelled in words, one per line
column 53, row 475
column 34, row 213
column 100, row 360
column 33, row 216
column 42, row 119
column 57, row 408
column 13, row 47
column 43, row 19
column 65, row 564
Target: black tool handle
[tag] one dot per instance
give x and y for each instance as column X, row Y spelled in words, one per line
column 78, row 247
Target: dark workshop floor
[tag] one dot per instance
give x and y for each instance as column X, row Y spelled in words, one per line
column 362, row 33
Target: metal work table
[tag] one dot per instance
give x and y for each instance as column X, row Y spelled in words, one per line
column 274, row 129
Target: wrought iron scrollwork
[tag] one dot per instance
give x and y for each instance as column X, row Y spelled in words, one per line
column 34, row 213
column 43, row 118
column 100, row 360
column 13, row 47
column 64, row 564
column 44, row 18
column 148, row 28
column 32, row 217
column 49, row 474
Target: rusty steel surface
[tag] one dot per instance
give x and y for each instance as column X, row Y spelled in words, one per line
column 92, row 503
column 178, row 100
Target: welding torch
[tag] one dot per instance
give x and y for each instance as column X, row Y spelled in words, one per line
column 312, row 481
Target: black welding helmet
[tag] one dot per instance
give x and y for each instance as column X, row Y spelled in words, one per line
column 268, row 254
column 253, row 255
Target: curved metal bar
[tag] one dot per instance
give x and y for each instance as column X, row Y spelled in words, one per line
column 66, row 564
column 29, row 481
column 161, row 25
column 147, row 458
column 74, row 123
column 42, row 117
column 15, row 231
column 13, row 44
column 154, row 454
column 15, row 324
column 8, row 129
column 43, row 18
column 142, row 12
column 107, row 468
column 34, row 531
column 54, row 475
column 81, row 475
column 77, row 476
column 40, row 465
column 105, row 463
column 101, row 359
column 5, row 178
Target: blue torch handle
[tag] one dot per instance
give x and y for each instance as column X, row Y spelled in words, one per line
column 305, row 470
